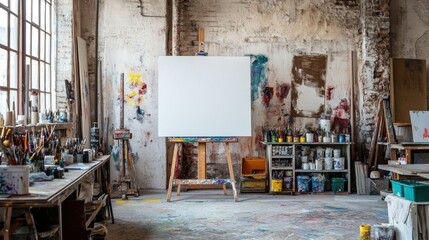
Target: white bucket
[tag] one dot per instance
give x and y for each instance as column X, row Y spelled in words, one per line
column 337, row 153
column 328, row 163
column 328, row 152
column 305, row 166
column 320, row 152
column 304, row 159
column 338, row 163
column 309, row 137
column 319, row 164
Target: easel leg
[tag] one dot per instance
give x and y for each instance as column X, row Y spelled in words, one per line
column 178, row 189
column 173, row 169
column 231, row 172
column 224, row 189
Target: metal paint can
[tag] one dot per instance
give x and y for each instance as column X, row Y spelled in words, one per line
column 289, row 138
column 302, row 139
column 347, row 137
column 365, row 232
column 341, row 138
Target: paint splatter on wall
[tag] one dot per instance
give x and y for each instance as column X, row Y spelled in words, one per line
column 134, row 95
column 308, row 85
column 282, row 91
column 330, row 92
column 258, row 75
column 267, row 95
column 341, row 115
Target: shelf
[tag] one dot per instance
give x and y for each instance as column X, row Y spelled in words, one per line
column 289, row 191
column 307, row 143
column 282, row 168
column 321, row 171
column 58, row 126
column 279, row 156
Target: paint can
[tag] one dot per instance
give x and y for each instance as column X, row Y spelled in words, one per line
column 320, row 152
column 365, row 232
column 309, row 137
column 8, row 120
column 289, row 138
column 304, row 159
column 334, row 138
column 319, row 164
column 34, row 118
column 326, row 139
column 305, row 166
column 276, row 185
column 328, row 152
column 328, row 163
column 303, row 183
column 312, row 166
column 347, row 137
column 295, row 139
column 302, row 139
column 384, row 231
column 338, row 163
column 337, row 153
column 318, row 183
column 341, row 138
column 287, row 182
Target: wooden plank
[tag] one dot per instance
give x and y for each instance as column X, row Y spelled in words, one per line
column 202, row 160
column 173, row 169
column 84, row 90
column 231, row 171
column 408, row 87
column 391, row 137
column 406, row 169
column 375, row 136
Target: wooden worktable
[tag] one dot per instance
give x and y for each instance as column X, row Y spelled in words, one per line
column 421, row 170
column 51, row 193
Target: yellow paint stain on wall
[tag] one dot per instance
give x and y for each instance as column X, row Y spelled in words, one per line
column 134, row 78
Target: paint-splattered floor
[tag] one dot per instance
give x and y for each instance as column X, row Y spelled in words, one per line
column 208, row 214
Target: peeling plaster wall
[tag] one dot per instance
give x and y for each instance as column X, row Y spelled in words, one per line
column 277, row 30
column 410, row 30
column 129, row 42
column 64, row 25
column 374, row 66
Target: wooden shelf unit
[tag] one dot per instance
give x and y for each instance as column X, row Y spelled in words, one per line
column 275, row 151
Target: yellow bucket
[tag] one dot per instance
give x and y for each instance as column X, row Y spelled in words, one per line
column 365, row 232
column 276, row 185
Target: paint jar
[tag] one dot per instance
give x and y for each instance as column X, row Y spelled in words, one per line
column 280, row 139
column 302, row 139
column 338, row 163
column 304, row 159
column 328, row 163
column 319, row 164
column 365, row 232
column 347, row 137
column 295, row 139
column 305, row 166
column 326, row 139
column 328, row 152
column 341, row 138
column 309, row 137
column 320, row 152
column 337, row 153
column 1, row 120
column 312, row 166
column 320, row 138
column 334, row 138
column 325, row 125
column 289, row 138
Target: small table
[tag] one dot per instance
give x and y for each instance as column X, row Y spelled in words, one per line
column 417, row 170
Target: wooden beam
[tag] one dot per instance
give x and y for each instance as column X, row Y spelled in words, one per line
column 202, row 160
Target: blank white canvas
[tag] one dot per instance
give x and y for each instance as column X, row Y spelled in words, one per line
column 203, row 96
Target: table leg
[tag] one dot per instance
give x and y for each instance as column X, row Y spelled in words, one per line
column 224, row 189
column 7, row 222
column 231, row 172
column 30, row 223
column 178, row 189
column 173, row 169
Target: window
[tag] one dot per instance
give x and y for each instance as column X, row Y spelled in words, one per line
column 25, row 37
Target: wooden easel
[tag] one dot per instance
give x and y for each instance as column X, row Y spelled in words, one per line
column 201, row 166
column 384, row 131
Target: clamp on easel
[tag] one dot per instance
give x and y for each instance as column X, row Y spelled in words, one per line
column 127, row 177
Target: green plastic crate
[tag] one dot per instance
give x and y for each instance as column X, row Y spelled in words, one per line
column 338, row 184
column 398, row 186
column 417, row 191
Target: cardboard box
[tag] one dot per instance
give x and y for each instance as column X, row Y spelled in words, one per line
column 254, row 167
column 14, row 180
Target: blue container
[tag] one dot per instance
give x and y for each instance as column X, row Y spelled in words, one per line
column 317, row 184
column 416, row 191
column 303, row 183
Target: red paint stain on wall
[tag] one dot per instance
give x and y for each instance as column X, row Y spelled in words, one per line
column 341, row 116
column 330, row 92
column 282, row 91
column 426, row 133
column 267, row 95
